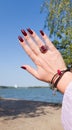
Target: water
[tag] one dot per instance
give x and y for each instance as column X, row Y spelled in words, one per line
column 34, row 94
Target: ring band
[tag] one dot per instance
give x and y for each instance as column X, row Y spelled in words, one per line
column 44, row 48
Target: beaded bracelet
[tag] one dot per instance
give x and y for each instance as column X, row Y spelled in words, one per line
column 56, row 78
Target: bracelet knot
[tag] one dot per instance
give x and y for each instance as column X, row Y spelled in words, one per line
column 59, row 72
column 56, row 78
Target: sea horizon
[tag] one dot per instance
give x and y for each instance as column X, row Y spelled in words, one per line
column 44, row 94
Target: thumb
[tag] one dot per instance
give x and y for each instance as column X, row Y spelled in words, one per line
column 31, row 70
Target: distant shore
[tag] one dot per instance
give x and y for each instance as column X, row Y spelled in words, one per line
column 29, row 115
column 24, row 87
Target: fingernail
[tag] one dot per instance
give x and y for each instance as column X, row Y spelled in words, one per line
column 23, row 67
column 24, row 32
column 42, row 33
column 30, row 31
column 20, row 38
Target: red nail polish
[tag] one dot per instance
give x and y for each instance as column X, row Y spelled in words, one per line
column 24, row 32
column 30, row 31
column 20, row 38
column 23, row 67
column 42, row 33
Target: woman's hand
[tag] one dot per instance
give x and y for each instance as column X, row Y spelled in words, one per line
column 47, row 60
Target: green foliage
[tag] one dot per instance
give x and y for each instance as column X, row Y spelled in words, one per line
column 59, row 23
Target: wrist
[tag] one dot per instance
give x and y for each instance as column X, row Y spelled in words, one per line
column 64, row 81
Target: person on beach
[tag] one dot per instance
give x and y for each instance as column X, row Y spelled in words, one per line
column 50, row 68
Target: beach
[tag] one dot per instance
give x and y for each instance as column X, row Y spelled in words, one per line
column 29, row 115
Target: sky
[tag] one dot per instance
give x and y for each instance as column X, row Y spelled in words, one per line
column 14, row 16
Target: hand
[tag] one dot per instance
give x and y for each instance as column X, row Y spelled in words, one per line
column 46, row 63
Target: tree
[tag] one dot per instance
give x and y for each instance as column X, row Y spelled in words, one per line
column 59, row 23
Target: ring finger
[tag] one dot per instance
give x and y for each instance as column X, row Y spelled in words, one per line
column 47, row 41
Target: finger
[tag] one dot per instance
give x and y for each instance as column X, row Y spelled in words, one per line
column 31, row 43
column 31, row 70
column 36, row 38
column 27, row 48
column 47, row 41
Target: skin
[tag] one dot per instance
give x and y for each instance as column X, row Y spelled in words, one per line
column 47, row 63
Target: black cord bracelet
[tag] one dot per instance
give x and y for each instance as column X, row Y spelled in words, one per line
column 57, row 77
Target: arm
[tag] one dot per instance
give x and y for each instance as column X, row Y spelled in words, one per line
column 46, row 63
column 64, row 82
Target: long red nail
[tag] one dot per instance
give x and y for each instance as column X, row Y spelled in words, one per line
column 20, row 38
column 30, row 31
column 23, row 67
column 42, row 33
column 24, row 32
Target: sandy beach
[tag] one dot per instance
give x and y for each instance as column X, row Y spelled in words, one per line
column 29, row 115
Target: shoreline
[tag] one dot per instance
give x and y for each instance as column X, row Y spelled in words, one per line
column 18, row 114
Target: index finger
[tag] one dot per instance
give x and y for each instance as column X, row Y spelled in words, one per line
column 27, row 49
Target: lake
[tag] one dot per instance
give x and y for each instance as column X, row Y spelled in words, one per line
column 32, row 93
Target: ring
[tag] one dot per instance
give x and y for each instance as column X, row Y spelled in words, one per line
column 44, row 48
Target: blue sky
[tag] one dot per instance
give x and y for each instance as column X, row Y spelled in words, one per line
column 14, row 16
